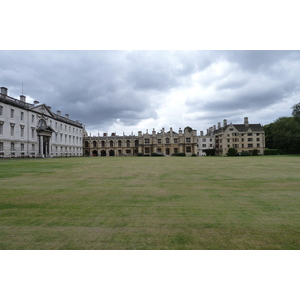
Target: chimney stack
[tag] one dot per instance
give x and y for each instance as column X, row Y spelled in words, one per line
column 36, row 102
column 246, row 121
column 58, row 112
column 67, row 116
column 219, row 125
column 225, row 122
column 4, row 90
column 22, row 98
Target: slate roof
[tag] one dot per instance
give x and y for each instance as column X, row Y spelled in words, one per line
column 241, row 128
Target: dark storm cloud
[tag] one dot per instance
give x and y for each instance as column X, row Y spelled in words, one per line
column 102, row 87
column 255, row 80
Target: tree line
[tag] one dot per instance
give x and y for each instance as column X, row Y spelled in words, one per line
column 283, row 135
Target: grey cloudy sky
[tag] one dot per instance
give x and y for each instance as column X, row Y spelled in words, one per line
column 116, row 91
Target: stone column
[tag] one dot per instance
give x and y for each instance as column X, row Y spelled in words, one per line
column 42, row 145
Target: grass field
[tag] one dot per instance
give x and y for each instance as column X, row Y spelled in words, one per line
column 150, row 203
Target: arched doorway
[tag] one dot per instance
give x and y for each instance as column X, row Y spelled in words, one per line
column 111, row 153
column 95, row 153
column 103, row 153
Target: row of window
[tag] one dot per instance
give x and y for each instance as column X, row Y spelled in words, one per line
column 242, row 146
column 167, row 140
column 63, row 138
column 74, row 140
column 242, row 134
column 12, row 116
column 33, row 148
column 242, row 140
column 188, row 149
column 12, row 130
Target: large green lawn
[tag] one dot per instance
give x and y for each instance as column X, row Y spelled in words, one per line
column 150, row 203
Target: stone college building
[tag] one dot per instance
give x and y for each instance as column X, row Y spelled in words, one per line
column 34, row 130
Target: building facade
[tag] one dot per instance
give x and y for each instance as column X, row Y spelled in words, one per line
column 206, row 144
column 242, row 137
column 165, row 143
column 33, row 130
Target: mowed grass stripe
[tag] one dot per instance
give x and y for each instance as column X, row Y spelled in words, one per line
column 150, row 203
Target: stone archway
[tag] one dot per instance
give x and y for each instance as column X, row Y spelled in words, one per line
column 103, row 153
column 95, row 153
column 111, row 153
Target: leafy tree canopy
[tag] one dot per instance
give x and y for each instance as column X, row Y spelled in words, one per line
column 188, row 128
column 296, row 110
column 283, row 134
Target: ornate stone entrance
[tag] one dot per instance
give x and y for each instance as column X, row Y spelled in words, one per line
column 44, row 133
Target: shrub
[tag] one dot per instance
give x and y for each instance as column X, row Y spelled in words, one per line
column 178, row 154
column 245, row 153
column 232, row 152
column 272, row 152
column 255, row 152
column 157, row 154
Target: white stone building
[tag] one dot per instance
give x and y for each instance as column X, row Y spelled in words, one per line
column 205, row 144
column 33, row 130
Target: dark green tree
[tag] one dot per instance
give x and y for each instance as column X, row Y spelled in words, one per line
column 296, row 110
column 284, row 134
column 188, row 128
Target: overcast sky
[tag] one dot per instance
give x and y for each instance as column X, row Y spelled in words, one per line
column 125, row 91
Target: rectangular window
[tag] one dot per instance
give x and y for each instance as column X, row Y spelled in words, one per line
column 175, row 150
column 249, row 134
column 203, row 140
column 175, row 140
column 188, row 140
column 147, row 141
column 32, row 147
column 1, row 128
column 22, row 131
column 258, row 145
column 22, row 147
column 32, row 118
column 12, row 113
column 1, row 110
column 12, row 147
column 1, row 146
column 159, row 141
column 22, row 116
column 147, row 150
column 250, row 140
column 258, row 139
column 250, row 145
column 32, row 133
column 188, row 149
column 203, row 145
column 12, row 129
